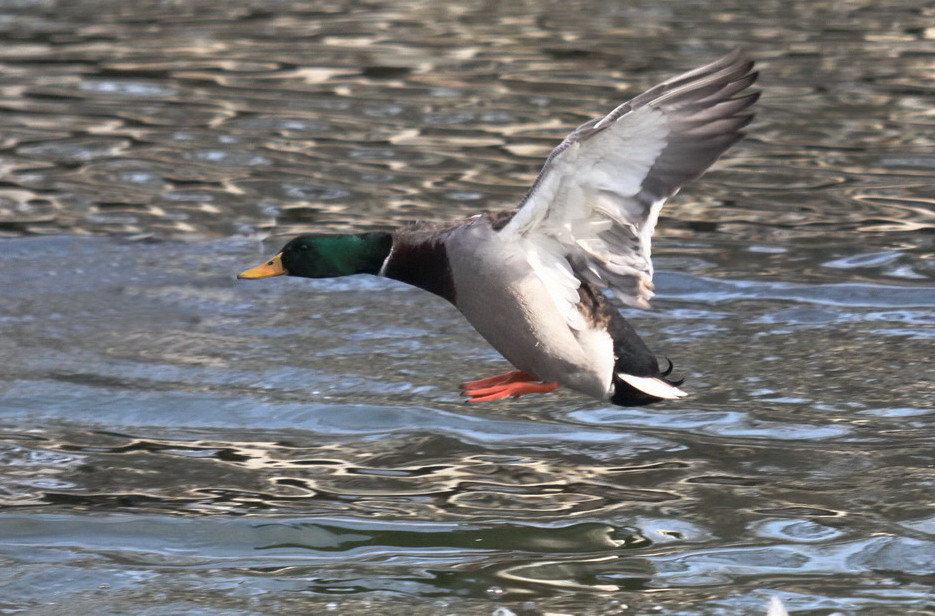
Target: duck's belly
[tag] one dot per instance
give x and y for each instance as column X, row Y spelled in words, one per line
column 503, row 299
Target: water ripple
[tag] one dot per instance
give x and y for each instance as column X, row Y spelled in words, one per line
column 175, row 442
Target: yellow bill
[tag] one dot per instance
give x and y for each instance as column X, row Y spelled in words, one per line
column 273, row 267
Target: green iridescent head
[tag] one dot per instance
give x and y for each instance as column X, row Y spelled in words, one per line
column 327, row 256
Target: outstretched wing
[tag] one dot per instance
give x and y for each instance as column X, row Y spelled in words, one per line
column 592, row 210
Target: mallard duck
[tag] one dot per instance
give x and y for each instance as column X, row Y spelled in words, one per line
column 543, row 283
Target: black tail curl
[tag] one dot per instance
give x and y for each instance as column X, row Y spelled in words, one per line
column 667, row 372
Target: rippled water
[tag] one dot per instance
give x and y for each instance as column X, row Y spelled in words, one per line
column 173, row 441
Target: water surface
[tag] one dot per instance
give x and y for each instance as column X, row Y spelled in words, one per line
column 173, row 441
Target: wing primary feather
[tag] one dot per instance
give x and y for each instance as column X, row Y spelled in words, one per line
column 600, row 192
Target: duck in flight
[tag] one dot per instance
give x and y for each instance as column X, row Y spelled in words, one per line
column 543, row 283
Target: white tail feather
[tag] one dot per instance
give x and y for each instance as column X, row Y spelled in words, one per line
column 653, row 386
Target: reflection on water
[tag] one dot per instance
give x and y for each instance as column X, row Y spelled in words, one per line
column 146, row 119
column 174, row 442
column 172, row 434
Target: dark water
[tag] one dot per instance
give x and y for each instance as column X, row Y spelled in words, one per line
column 175, row 442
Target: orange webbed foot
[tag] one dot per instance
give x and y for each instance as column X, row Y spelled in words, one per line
column 516, row 376
column 497, row 390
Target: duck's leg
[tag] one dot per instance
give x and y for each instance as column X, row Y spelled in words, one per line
column 516, row 376
column 515, row 389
